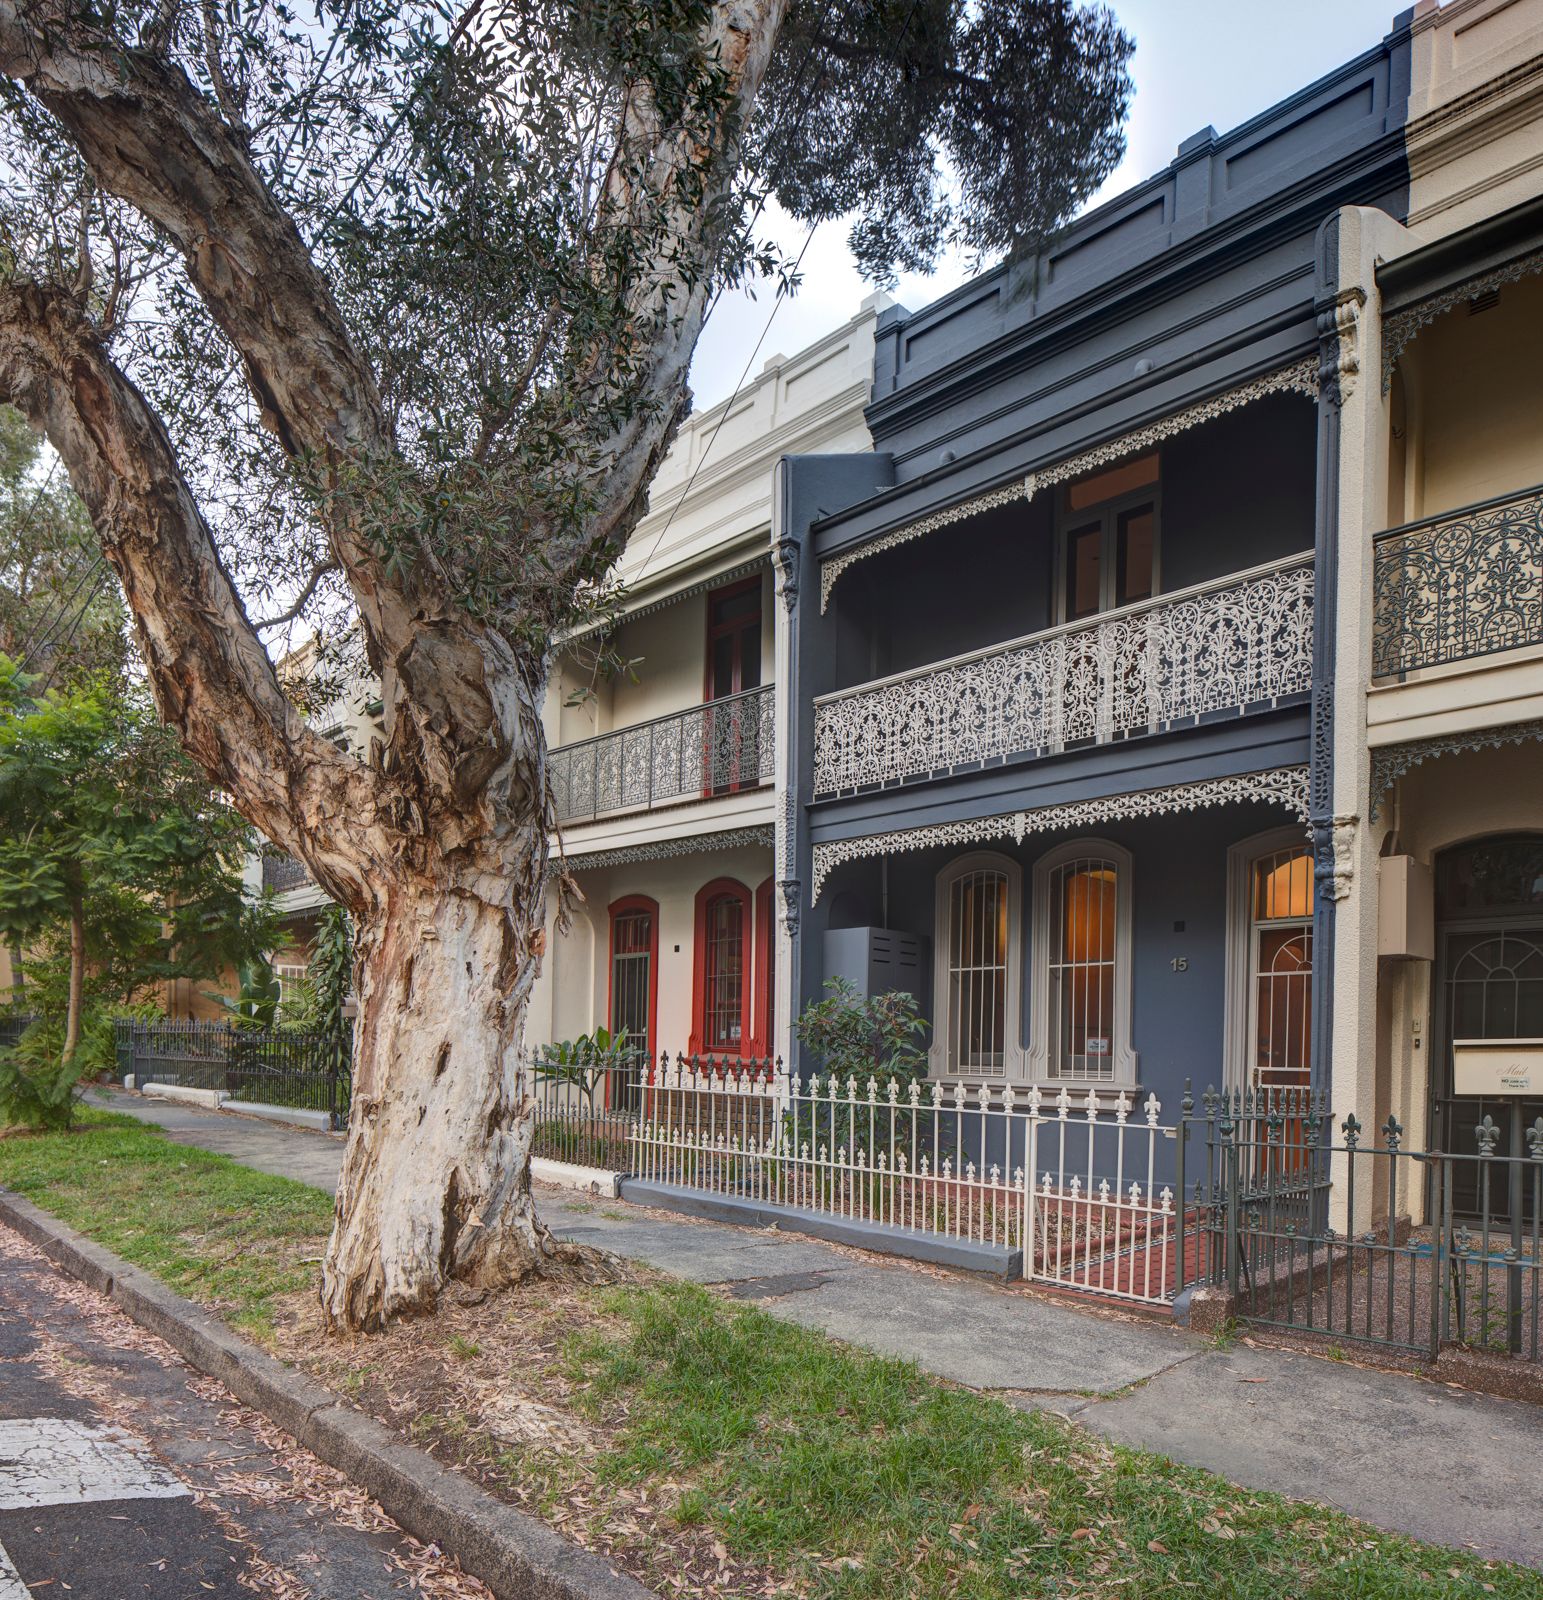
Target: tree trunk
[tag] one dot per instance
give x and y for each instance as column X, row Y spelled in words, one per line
column 18, row 974
column 77, row 979
column 436, row 1185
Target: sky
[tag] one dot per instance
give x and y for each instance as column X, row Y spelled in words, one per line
column 1196, row 62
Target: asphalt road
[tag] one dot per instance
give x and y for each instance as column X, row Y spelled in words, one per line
column 124, row 1474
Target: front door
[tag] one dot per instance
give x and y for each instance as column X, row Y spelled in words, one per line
column 1489, row 981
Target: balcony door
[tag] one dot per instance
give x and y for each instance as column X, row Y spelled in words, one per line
column 731, row 745
column 1108, row 545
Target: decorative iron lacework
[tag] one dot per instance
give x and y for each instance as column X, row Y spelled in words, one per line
column 1286, row 786
column 1400, row 328
column 1246, row 641
column 1301, row 377
column 1467, row 585
column 667, row 849
column 714, row 748
column 1391, row 762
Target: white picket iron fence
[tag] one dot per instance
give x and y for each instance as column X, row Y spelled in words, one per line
column 1081, row 1187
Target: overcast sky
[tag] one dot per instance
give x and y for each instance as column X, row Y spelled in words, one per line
column 1197, row 62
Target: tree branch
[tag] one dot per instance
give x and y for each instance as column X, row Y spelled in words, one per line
column 211, row 677
column 743, row 35
column 150, row 138
column 318, row 572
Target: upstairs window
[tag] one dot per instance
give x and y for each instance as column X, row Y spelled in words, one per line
column 1109, row 544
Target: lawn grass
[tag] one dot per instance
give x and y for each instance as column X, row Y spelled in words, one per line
column 849, row 1476
column 231, row 1238
column 868, row 1479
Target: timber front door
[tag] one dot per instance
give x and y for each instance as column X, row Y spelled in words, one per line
column 1489, row 985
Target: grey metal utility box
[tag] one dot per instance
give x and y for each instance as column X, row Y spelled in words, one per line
column 876, row 960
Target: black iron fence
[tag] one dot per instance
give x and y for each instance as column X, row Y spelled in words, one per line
column 253, row 1066
column 716, row 748
column 1463, row 584
column 12, row 1026
column 1308, row 1222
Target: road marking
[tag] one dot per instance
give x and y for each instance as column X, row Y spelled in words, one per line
column 53, row 1461
column 11, row 1586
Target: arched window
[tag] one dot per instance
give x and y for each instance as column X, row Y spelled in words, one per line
column 722, row 999
column 762, row 1042
column 1270, row 959
column 977, row 962
column 1081, row 943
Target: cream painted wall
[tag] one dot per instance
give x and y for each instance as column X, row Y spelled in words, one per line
column 1470, row 407
column 574, row 988
column 1475, row 129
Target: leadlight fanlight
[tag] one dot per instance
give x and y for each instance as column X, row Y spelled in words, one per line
column 1081, row 944
column 976, row 1033
column 1281, row 969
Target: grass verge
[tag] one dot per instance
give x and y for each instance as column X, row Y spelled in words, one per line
column 235, row 1240
column 713, row 1449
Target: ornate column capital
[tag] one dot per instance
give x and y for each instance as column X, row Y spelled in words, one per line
column 1334, row 843
column 1339, row 345
column 785, row 554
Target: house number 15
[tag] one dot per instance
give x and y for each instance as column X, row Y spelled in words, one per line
column 1180, row 963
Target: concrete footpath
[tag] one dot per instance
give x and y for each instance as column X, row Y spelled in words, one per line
column 1406, row 1454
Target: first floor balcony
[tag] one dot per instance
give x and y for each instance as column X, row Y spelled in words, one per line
column 1464, row 584
column 722, row 747
column 1240, row 644
column 281, row 872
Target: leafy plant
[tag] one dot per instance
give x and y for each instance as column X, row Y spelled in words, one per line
column 852, row 1035
column 39, row 1085
column 584, row 1061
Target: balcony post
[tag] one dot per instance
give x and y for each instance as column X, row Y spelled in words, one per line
column 1352, row 491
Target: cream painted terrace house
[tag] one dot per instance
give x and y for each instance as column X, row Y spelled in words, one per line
column 666, row 776
column 1437, row 758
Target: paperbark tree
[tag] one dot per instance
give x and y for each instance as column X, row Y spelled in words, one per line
column 384, row 315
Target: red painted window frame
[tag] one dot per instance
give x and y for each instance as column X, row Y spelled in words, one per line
column 761, row 1041
column 618, row 908
column 709, row 892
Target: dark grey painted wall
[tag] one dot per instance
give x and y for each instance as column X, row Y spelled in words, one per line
column 1179, row 875
column 1235, row 493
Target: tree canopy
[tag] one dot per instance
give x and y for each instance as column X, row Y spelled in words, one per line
column 379, row 317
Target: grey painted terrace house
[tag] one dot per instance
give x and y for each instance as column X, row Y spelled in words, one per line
column 1055, row 650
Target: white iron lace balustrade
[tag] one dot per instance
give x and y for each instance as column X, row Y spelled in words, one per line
column 716, row 748
column 1240, row 643
column 1464, row 584
column 1082, row 1190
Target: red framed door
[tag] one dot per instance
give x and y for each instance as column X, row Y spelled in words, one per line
column 731, row 733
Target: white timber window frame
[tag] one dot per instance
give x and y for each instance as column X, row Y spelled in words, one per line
column 955, row 977
column 1242, row 986
column 1053, row 966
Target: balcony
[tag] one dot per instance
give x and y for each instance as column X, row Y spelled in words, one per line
column 282, row 873
column 1239, row 644
column 718, row 748
column 1467, row 583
